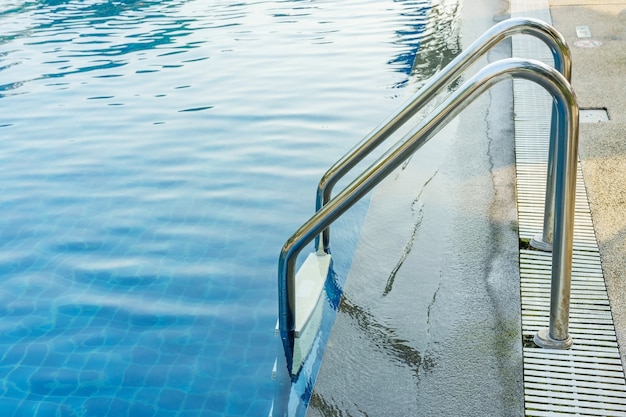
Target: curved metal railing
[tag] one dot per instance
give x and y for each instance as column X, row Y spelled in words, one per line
column 562, row 62
column 557, row 335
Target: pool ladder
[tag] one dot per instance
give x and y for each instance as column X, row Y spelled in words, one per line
column 299, row 293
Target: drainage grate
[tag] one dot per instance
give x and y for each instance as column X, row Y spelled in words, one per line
column 589, row 378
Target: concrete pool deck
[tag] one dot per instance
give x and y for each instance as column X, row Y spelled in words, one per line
column 411, row 366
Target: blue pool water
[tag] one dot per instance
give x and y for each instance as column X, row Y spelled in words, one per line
column 155, row 156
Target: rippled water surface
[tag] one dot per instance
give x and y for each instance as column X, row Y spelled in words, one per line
column 155, row 156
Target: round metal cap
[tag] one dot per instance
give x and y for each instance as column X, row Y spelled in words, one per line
column 538, row 243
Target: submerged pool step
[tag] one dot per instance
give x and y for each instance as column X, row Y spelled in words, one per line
column 587, row 379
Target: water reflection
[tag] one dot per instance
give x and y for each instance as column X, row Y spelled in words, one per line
column 441, row 43
column 62, row 30
column 374, row 341
column 429, row 40
column 387, row 340
column 412, row 35
column 61, row 15
column 67, row 33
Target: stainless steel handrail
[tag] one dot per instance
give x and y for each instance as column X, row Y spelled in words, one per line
column 557, row 336
column 562, row 62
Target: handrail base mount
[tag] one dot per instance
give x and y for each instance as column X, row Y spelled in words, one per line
column 543, row 339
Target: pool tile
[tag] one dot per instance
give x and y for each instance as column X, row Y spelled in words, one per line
column 118, row 407
column 135, row 375
column 54, row 359
column 141, row 410
column 20, row 409
column 145, row 355
column 86, row 391
column 156, row 376
column 35, row 354
column 216, row 400
column 171, row 399
column 96, row 406
column 194, row 401
column 14, row 354
column 42, row 381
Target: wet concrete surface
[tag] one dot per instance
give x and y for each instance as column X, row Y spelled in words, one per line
column 429, row 324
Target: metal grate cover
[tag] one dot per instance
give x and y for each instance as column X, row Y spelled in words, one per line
column 588, row 379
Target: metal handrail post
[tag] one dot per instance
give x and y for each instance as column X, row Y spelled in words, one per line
column 543, row 241
column 565, row 179
column 543, row 31
column 563, row 206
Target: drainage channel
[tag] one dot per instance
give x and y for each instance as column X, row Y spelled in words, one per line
column 589, row 378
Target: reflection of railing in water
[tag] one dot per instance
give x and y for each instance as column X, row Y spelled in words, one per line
column 429, row 39
column 565, row 131
column 441, row 41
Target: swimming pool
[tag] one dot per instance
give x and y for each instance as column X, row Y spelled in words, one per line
column 156, row 155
